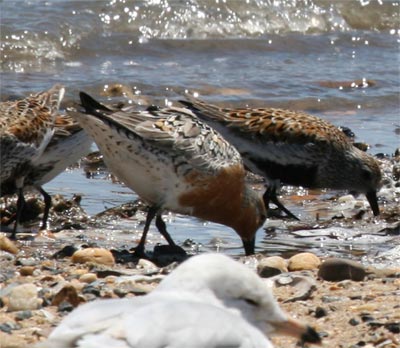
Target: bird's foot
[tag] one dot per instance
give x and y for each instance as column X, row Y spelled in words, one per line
column 139, row 252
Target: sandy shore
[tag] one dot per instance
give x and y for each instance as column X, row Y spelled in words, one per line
column 346, row 313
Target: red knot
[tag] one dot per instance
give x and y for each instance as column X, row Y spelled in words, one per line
column 174, row 161
column 293, row 148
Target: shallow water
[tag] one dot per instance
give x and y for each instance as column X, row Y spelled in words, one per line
column 300, row 55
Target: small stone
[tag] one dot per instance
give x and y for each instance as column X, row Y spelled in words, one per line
column 29, row 261
column 90, row 289
column 147, row 265
column 330, row 299
column 49, row 265
column 133, row 287
column 7, row 245
column 67, row 251
column 271, row 266
column 393, row 327
column 78, row 272
column 164, row 255
column 367, row 318
column 95, row 255
column 88, row 278
column 303, row 261
column 65, row 307
column 353, row 322
column 120, row 292
column 356, row 297
column 7, row 327
column 26, row 270
column 23, row 297
column 23, row 315
column 335, row 269
column 320, row 312
column 67, row 294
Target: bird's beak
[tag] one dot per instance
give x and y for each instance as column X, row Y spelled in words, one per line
column 291, row 327
column 373, row 202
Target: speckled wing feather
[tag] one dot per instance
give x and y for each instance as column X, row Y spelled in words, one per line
column 270, row 124
column 29, row 119
column 275, row 140
column 26, row 128
column 176, row 131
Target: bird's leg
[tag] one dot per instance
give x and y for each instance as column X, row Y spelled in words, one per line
column 249, row 246
column 20, row 207
column 270, row 196
column 162, row 228
column 47, row 205
column 139, row 249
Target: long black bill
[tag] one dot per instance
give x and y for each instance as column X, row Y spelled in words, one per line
column 373, row 202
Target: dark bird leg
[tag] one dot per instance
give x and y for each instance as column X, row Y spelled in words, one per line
column 139, row 250
column 249, row 246
column 162, row 228
column 270, row 196
column 373, row 202
column 47, row 205
column 20, row 207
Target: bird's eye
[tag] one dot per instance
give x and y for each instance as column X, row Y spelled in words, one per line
column 251, row 302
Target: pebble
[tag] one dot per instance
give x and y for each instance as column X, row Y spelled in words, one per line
column 271, row 266
column 88, row 278
column 67, row 294
column 147, row 265
column 120, row 292
column 367, row 318
column 393, row 327
column 26, row 270
column 95, row 255
column 335, row 269
column 354, row 322
column 90, row 289
column 67, row 251
column 303, row 261
column 49, row 265
column 133, row 287
column 23, row 297
column 330, row 299
column 7, row 245
column 320, row 312
column 30, row 261
column 22, row 315
column 65, row 307
column 8, row 327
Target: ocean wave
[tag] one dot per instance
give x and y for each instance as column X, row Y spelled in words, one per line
column 204, row 19
column 195, row 19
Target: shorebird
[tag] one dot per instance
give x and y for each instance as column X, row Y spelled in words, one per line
column 26, row 128
column 174, row 161
column 210, row 300
column 37, row 144
column 293, row 148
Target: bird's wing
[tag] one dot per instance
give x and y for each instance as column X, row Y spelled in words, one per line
column 155, row 322
column 173, row 130
column 269, row 124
